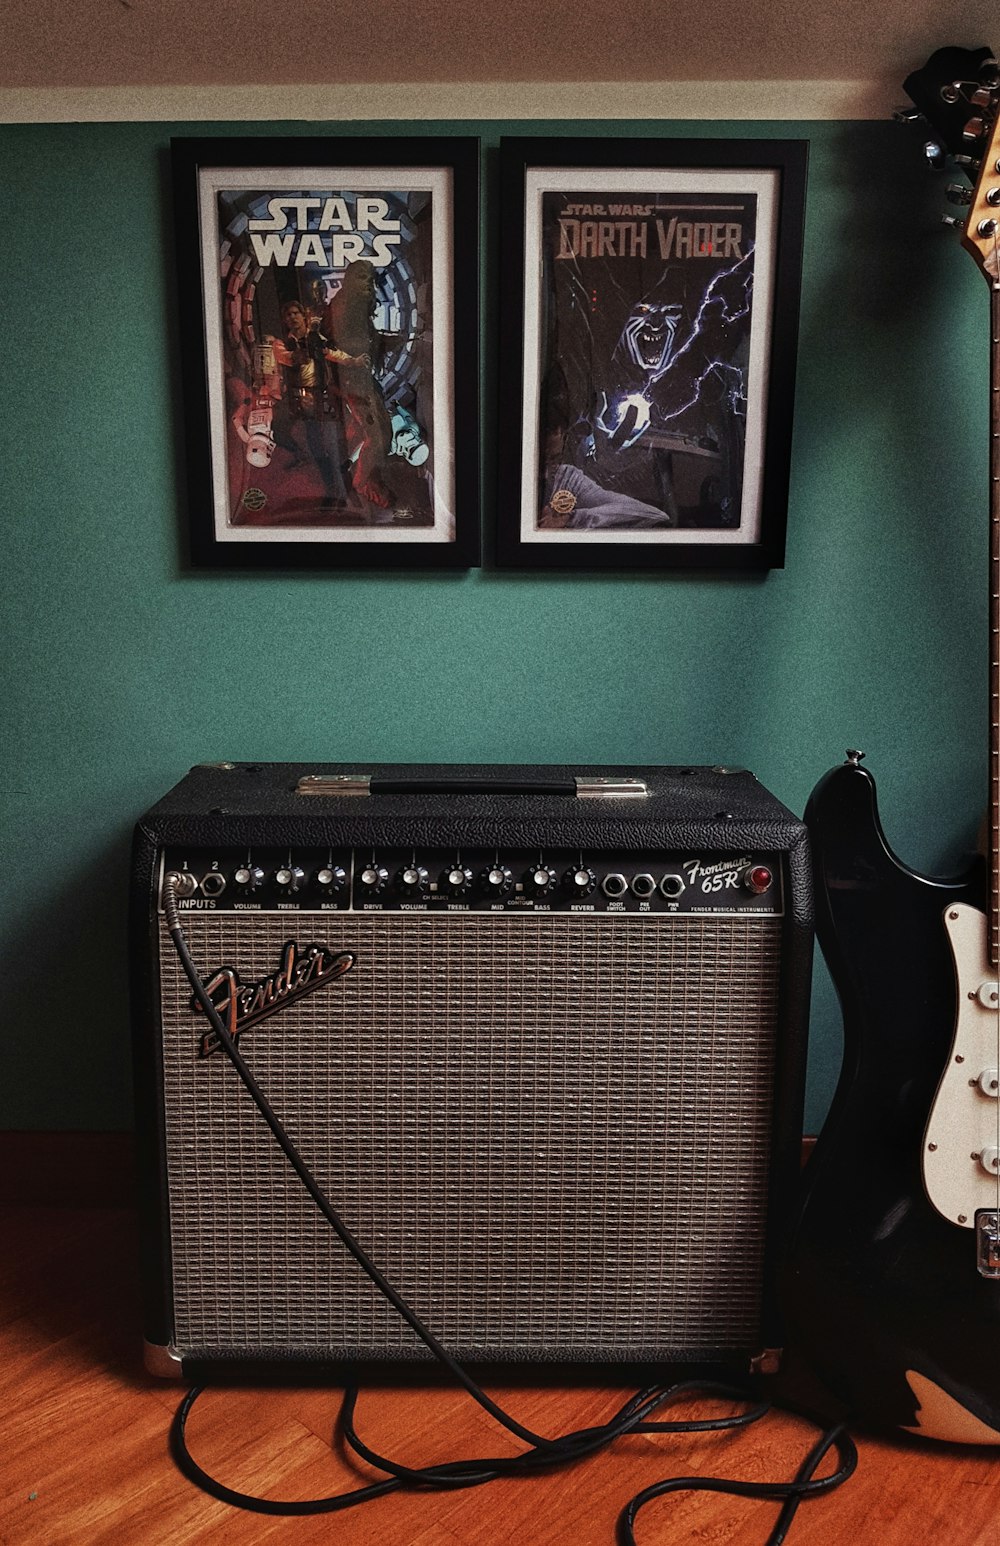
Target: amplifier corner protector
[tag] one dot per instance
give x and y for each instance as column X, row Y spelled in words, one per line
column 767, row 1362
column 165, row 1362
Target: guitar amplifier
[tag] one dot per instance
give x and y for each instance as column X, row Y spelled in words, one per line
column 539, row 1034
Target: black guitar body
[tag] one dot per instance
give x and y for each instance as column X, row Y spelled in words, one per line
column 882, row 1294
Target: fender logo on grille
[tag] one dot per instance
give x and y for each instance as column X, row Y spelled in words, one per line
column 241, row 1005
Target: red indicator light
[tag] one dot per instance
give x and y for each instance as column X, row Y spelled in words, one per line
column 759, row 879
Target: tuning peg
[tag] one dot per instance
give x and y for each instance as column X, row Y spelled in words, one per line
column 974, row 129
column 983, row 96
column 936, row 155
column 967, row 161
column 989, row 72
column 908, row 115
column 952, row 220
column 958, row 193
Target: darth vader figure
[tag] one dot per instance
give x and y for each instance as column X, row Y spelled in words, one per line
column 655, row 387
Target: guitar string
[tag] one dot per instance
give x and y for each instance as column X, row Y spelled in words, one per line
column 994, row 699
column 992, row 1076
column 993, row 876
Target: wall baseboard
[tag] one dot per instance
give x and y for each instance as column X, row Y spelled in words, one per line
column 67, row 1170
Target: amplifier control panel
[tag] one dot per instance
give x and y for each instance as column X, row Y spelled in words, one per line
column 472, row 880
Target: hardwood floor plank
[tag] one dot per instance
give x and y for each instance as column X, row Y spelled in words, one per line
column 84, row 1457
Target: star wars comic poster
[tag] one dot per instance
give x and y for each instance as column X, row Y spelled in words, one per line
column 328, row 334
column 647, row 411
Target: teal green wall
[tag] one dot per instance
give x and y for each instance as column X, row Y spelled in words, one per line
column 122, row 669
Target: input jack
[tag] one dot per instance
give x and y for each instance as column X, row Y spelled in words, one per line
column 614, row 885
column 643, row 885
column 182, row 882
column 213, row 884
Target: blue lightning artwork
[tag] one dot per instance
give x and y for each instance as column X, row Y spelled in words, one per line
column 645, row 359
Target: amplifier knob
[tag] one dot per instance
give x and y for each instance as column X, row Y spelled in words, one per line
column 331, row 878
column 289, row 877
column 455, row 881
column 496, row 881
column 412, row 880
column 248, row 877
column 579, row 882
column 540, row 880
column 373, row 879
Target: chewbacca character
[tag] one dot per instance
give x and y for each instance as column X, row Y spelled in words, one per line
column 348, row 324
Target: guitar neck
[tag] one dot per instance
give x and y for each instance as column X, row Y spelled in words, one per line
column 994, row 821
column 957, row 94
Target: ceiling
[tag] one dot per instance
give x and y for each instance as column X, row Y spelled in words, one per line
column 163, row 43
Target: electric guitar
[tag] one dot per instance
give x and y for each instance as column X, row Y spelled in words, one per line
column 893, row 1282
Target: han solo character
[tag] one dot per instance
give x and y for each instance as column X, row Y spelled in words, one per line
column 308, row 357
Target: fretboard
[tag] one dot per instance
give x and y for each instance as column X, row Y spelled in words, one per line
column 993, row 899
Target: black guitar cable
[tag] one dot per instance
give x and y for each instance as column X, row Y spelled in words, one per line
column 541, row 1454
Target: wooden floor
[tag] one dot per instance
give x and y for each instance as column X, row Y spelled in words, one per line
column 84, row 1458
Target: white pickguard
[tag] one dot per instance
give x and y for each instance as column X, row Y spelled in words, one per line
column 962, row 1140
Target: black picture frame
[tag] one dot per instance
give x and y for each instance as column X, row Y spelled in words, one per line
column 649, row 325
column 329, row 424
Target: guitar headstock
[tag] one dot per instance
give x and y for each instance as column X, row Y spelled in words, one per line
column 958, row 93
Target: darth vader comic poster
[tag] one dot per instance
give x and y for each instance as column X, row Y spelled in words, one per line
column 652, row 363
column 328, row 353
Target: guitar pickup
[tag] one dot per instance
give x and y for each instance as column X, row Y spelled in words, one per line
column 988, row 1242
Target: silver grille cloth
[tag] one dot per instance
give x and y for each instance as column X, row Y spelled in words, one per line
column 551, row 1132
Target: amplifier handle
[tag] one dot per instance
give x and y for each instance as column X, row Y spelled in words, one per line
column 364, row 784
